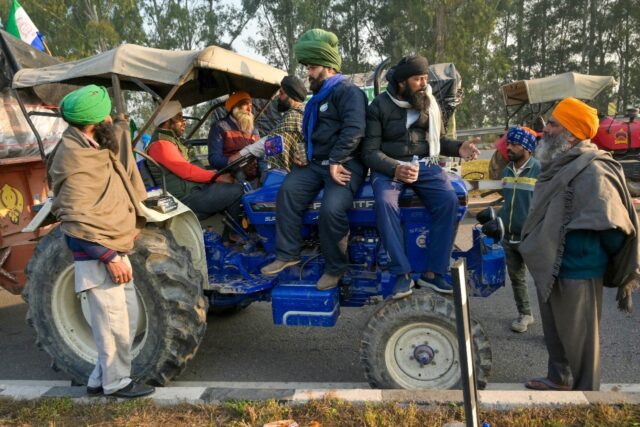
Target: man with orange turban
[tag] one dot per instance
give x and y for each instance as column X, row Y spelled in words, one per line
column 581, row 234
column 233, row 133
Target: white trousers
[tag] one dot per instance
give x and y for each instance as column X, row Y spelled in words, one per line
column 114, row 317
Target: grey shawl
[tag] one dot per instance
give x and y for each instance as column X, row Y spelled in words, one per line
column 582, row 189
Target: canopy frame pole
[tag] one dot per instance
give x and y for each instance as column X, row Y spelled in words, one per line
column 265, row 106
column 15, row 67
column 117, row 94
column 203, row 119
column 164, row 102
column 147, row 89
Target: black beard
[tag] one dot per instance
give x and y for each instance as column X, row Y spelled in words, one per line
column 515, row 157
column 315, row 84
column 283, row 105
column 105, row 136
column 418, row 100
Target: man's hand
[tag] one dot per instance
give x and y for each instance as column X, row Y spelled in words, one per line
column 340, row 174
column 234, row 157
column 120, row 270
column 407, row 173
column 468, row 149
column 300, row 159
column 226, row 178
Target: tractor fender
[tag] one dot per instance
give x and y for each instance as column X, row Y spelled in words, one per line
column 185, row 228
column 182, row 223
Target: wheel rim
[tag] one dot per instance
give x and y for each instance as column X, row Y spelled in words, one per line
column 442, row 370
column 73, row 321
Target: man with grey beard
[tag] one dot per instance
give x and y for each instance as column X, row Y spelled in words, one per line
column 233, row 133
column 551, row 145
column 581, row 234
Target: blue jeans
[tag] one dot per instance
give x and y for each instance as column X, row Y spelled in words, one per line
column 438, row 196
column 299, row 189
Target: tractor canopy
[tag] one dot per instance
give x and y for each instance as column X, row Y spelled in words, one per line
column 532, row 99
column 554, row 88
column 201, row 75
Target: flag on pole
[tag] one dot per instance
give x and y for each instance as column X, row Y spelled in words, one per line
column 20, row 25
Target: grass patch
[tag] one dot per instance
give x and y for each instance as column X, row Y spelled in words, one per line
column 475, row 169
column 317, row 413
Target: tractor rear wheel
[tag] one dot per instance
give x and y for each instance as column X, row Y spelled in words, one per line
column 172, row 309
column 411, row 343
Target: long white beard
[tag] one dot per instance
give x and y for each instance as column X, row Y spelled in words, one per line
column 551, row 146
column 244, row 119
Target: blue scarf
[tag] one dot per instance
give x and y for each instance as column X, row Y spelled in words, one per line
column 311, row 110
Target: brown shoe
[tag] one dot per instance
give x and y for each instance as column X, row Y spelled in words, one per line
column 328, row 281
column 277, row 266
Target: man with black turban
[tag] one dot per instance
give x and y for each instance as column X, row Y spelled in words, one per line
column 98, row 191
column 291, row 97
column 402, row 123
column 333, row 127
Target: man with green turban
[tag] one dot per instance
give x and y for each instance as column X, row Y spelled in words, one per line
column 333, row 127
column 98, row 191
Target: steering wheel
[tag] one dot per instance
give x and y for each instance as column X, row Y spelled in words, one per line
column 233, row 167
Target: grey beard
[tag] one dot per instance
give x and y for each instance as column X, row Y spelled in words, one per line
column 551, row 146
column 244, row 119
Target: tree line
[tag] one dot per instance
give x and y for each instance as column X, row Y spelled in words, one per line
column 491, row 42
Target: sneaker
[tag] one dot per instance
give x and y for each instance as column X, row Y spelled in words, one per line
column 403, row 286
column 277, row 266
column 134, row 389
column 438, row 283
column 522, row 323
column 328, row 281
column 95, row 391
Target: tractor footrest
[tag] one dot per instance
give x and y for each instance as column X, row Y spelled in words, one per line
column 299, row 303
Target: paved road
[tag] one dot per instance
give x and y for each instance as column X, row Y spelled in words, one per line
column 248, row 347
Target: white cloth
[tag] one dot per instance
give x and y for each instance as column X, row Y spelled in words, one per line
column 168, row 111
column 256, row 149
column 435, row 122
column 114, row 318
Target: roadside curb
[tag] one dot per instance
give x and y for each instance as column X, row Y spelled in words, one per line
column 507, row 398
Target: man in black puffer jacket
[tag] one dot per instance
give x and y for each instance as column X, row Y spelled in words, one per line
column 404, row 122
column 333, row 127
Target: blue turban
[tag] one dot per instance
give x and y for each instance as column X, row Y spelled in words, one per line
column 519, row 135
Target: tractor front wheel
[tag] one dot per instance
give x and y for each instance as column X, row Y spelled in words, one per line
column 411, row 343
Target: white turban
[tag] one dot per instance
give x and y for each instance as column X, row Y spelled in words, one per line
column 170, row 110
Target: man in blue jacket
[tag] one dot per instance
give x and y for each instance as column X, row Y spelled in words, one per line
column 518, row 180
column 333, row 127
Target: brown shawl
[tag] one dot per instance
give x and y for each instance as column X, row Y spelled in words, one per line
column 582, row 189
column 97, row 193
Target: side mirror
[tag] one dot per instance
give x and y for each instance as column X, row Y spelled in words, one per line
column 486, row 215
column 494, row 229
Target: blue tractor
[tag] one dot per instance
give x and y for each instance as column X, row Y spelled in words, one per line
column 182, row 271
column 408, row 343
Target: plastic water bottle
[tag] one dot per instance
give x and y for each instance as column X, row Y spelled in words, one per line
column 486, row 424
column 415, row 161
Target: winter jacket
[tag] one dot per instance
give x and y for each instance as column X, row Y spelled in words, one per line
column 517, row 192
column 340, row 126
column 187, row 165
column 388, row 141
column 225, row 140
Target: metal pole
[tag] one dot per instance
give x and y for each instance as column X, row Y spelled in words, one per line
column 13, row 69
column 117, row 95
column 164, row 102
column 463, row 325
